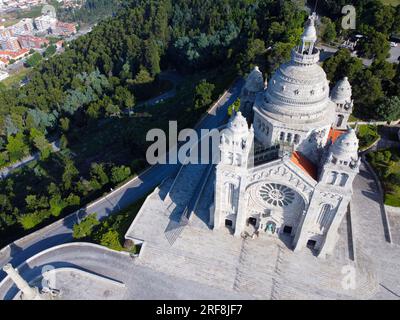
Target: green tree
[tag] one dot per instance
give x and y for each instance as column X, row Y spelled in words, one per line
column 40, row 142
column 111, row 240
column 152, row 57
column 255, row 50
column 85, row 227
column 279, row 54
column 203, row 94
column 98, row 175
column 16, row 147
column 389, row 109
column 57, row 205
column 119, row 174
column 374, row 46
column 34, row 60
column 70, row 174
column 52, row 49
column 327, row 30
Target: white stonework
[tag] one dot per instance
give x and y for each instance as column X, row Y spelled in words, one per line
column 260, row 187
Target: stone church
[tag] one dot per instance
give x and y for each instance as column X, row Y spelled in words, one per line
column 291, row 172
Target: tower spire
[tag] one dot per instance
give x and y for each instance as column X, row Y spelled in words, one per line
column 309, row 36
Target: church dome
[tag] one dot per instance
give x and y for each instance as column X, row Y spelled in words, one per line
column 255, row 81
column 341, row 93
column 346, row 146
column 237, row 125
column 299, row 90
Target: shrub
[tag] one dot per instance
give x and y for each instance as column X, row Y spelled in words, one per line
column 85, row 227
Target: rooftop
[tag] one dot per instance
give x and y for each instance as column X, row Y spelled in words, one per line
column 304, row 164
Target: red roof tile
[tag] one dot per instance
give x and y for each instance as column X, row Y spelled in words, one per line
column 304, row 164
column 334, row 134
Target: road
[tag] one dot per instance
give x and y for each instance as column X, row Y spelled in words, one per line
column 59, row 233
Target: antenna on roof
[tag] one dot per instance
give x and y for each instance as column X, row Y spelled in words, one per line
column 315, row 7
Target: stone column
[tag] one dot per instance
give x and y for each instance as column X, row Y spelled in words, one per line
column 28, row 293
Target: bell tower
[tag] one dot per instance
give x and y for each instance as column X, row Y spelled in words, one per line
column 230, row 197
column 341, row 96
column 332, row 195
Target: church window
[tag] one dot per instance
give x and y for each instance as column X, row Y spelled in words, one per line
column 229, row 158
column 296, row 139
column 282, row 136
column 340, row 120
column 332, row 177
column 238, row 159
column 229, row 189
column 325, row 216
column 343, row 179
column 277, row 195
column 289, row 137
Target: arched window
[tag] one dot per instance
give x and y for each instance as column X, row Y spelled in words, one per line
column 289, row 138
column 325, row 216
column 340, row 120
column 296, row 139
column 229, row 193
column 282, row 136
column 332, row 177
column 229, row 158
column 343, row 179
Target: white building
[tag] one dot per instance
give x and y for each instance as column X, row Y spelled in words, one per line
column 45, row 23
column 292, row 171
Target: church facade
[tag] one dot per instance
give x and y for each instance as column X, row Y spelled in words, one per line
column 291, row 172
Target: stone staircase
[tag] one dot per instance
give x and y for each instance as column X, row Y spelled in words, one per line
column 184, row 261
column 260, row 259
column 182, row 197
column 185, row 184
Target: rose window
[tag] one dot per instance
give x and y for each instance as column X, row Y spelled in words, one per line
column 277, row 194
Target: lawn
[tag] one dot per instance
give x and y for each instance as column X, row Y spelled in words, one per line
column 368, row 135
column 15, row 79
column 386, row 164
